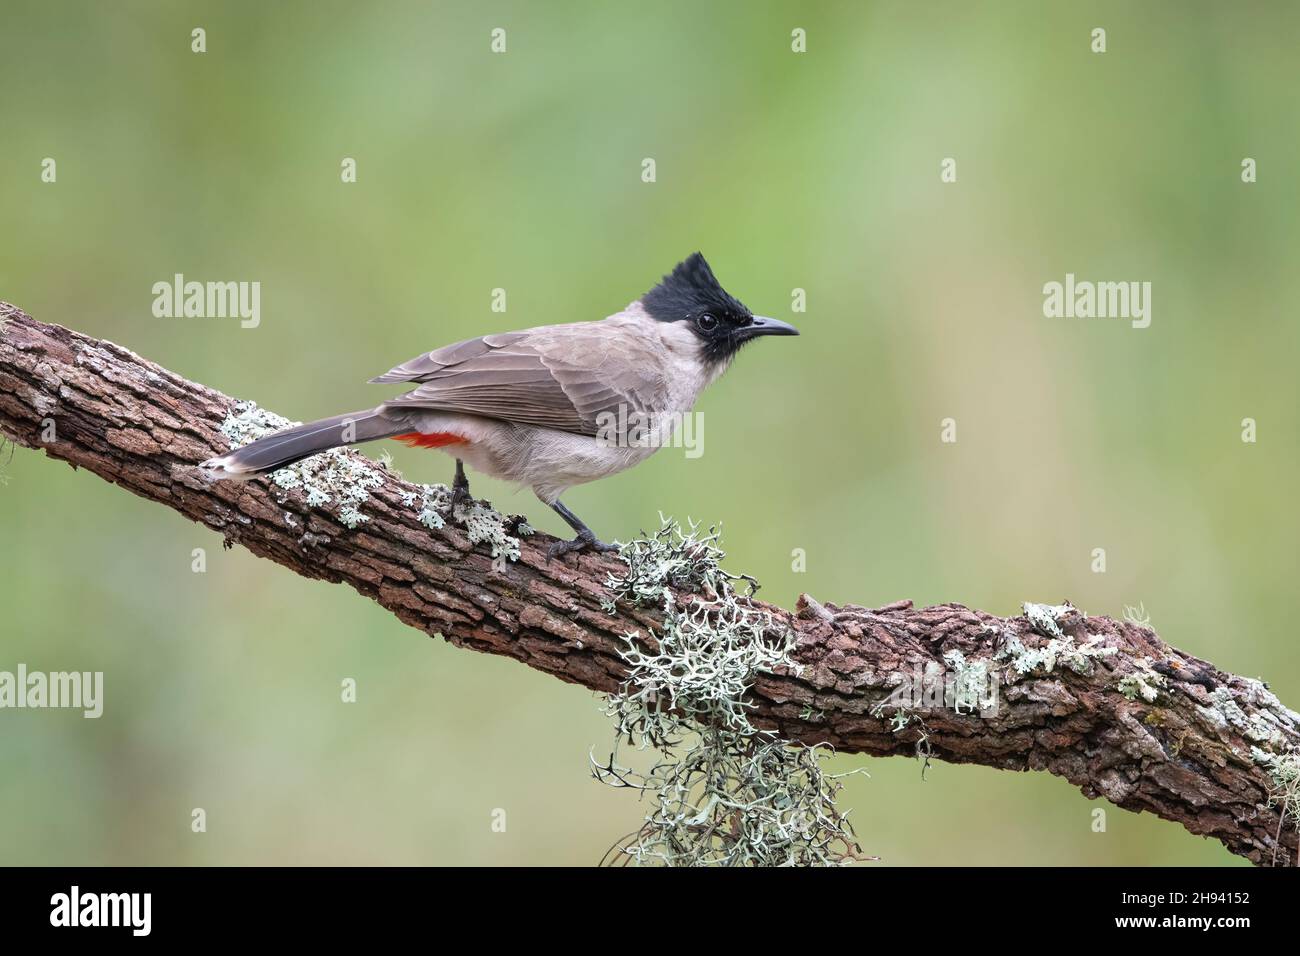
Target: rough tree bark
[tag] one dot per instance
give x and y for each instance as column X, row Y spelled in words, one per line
column 1186, row 756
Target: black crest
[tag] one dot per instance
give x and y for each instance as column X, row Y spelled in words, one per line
column 690, row 291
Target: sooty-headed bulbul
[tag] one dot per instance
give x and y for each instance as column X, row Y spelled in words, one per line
column 529, row 407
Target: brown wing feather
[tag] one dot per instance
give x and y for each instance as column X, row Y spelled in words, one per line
column 560, row 377
column 431, row 363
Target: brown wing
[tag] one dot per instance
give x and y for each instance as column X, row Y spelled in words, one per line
column 560, row 376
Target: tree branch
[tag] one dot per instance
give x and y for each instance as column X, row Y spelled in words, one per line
column 1140, row 723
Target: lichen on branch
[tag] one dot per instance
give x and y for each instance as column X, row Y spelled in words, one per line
column 1135, row 720
column 722, row 792
column 341, row 481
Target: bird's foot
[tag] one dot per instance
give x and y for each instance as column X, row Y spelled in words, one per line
column 459, row 496
column 459, row 493
column 585, row 541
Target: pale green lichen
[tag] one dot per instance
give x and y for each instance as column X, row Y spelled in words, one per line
column 1284, row 772
column 1284, row 768
column 966, row 685
column 670, row 559
column 811, row 714
column 899, row 721
column 385, row 461
column 1223, row 701
column 1062, row 650
column 705, row 663
column 1044, row 618
column 332, row 477
column 1143, row 684
column 1270, row 714
column 433, row 502
column 1224, row 711
column 351, row 517
column 482, row 524
column 343, row 481
column 722, row 792
column 1137, row 615
column 970, row 688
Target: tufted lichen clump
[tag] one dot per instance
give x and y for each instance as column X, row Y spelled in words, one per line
column 722, row 792
column 344, row 481
column 1284, row 771
column 669, row 559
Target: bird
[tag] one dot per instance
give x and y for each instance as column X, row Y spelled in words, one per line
column 546, row 407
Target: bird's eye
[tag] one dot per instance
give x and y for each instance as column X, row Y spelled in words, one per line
column 707, row 322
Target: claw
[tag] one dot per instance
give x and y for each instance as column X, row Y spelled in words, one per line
column 459, row 493
column 459, row 496
column 585, row 541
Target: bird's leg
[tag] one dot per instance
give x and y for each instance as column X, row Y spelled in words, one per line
column 459, row 490
column 586, row 539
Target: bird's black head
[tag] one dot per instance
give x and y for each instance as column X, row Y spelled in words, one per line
column 691, row 294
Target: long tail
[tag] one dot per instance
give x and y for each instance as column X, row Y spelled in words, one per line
column 294, row 444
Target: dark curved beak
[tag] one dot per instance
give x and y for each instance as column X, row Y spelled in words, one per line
column 762, row 325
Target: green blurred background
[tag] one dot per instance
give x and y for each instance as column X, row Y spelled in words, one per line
column 818, row 171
